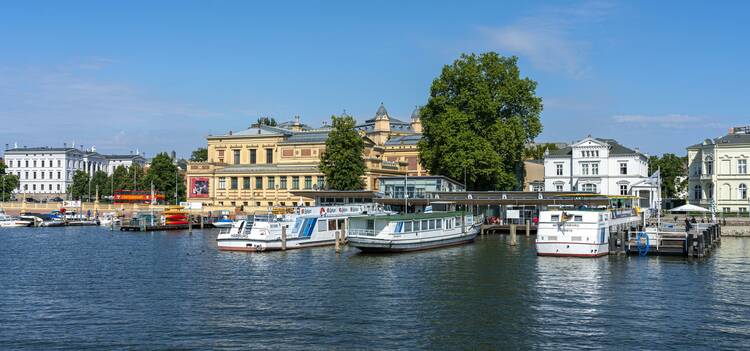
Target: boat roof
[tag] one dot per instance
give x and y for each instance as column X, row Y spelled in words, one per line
column 412, row 216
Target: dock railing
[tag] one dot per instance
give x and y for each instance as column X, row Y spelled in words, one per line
column 362, row 232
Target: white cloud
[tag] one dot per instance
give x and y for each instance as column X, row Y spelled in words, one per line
column 667, row 121
column 546, row 38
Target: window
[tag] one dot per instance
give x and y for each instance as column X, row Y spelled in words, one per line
column 41, row 187
column 253, row 156
column 710, row 191
column 322, row 226
column 558, row 187
column 236, row 156
column 258, row 183
column 269, row 156
column 589, row 188
column 578, row 218
column 233, row 183
column 742, row 191
column 332, row 224
column 585, row 168
column 594, row 168
column 58, row 165
column 308, row 182
column 726, row 209
column 743, row 209
column 555, row 218
column 407, row 227
column 282, row 182
column 58, row 187
column 559, row 169
column 742, row 166
column 321, row 182
column 50, row 175
column 623, row 168
column 41, row 174
column 439, row 224
column 697, row 192
column 271, row 182
column 623, row 189
column 245, row 182
column 295, row 183
column 27, row 163
column 709, row 167
column 597, row 153
column 34, row 174
column 222, row 183
column 58, row 175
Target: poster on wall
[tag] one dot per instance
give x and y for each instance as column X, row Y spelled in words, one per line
column 199, row 187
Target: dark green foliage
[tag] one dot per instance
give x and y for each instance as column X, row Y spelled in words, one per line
column 265, row 121
column 135, row 178
column 479, row 117
column 121, row 180
column 342, row 161
column 80, row 187
column 199, row 155
column 536, row 151
column 165, row 176
column 100, row 180
column 671, row 166
column 8, row 183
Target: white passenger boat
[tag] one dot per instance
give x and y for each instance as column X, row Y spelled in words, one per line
column 583, row 232
column 109, row 219
column 306, row 227
column 7, row 221
column 411, row 232
column 223, row 222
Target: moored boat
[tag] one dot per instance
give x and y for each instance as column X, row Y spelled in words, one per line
column 7, row 221
column 412, row 232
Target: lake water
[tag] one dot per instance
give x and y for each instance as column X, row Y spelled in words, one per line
column 87, row 288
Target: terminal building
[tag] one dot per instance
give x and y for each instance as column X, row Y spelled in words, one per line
column 260, row 167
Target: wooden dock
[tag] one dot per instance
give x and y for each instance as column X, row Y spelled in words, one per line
column 699, row 242
column 151, row 228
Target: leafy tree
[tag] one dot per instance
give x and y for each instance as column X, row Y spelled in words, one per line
column 672, row 167
column 342, row 162
column 477, row 121
column 199, row 155
column 80, row 187
column 8, row 183
column 265, row 121
column 120, row 180
column 102, row 181
column 536, row 151
column 135, row 178
column 165, row 176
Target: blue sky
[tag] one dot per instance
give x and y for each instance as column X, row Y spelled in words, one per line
column 159, row 76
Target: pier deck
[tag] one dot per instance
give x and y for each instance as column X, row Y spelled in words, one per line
column 699, row 242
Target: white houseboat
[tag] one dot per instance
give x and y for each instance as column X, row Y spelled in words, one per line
column 7, row 221
column 584, row 231
column 411, row 232
column 306, row 227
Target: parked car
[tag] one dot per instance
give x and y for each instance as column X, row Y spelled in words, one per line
column 32, row 200
column 56, row 199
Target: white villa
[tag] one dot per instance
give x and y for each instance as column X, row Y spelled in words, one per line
column 718, row 173
column 600, row 166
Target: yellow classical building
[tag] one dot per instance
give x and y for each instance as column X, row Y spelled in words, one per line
column 258, row 167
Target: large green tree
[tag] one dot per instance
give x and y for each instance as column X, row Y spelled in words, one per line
column 673, row 173
column 266, row 121
column 8, row 183
column 165, row 176
column 477, row 121
column 342, row 162
column 100, row 181
column 80, row 187
column 199, row 155
column 120, row 180
column 135, row 178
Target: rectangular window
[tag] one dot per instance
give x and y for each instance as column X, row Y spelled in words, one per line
column 271, row 183
column 236, row 156
column 585, row 168
column 308, row 182
column 439, row 224
column 245, row 182
column 431, row 224
column 578, row 218
column 233, row 183
column 424, row 225
column 295, row 182
column 594, row 168
column 559, row 169
column 322, row 226
column 726, row 210
column 282, row 182
column 50, row 175
column 59, row 175
column 269, row 156
column 623, row 189
column 321, row 182
column 332, row 224
column 555, row 218
column 58, row 165
column 41, row 174
column 623, row 168
column 743, row 209
column 34, row 173
column 407, row 227
column 742, row 166
column 222, row 183
column 258, row 183
column 253, row 156
column 58, row 187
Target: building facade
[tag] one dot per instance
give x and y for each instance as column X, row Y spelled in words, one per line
column 114, row 161
column 261, row 166
column 533, row 175
column 600, row 166
column 45, row 172
column 718, row 172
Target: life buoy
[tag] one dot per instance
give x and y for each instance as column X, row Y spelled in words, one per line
column 322, row 211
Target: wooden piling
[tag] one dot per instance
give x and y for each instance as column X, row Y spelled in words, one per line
column 512, row 234
column 528, row 227
column 283, row 238
column 190, row 223
column 338, row 244
column 201, row 221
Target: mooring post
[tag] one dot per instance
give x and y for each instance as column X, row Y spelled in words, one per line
column 512, row 234
column 338, row 244
column 621, row 235
column 283, row 238
column 201, row 220
column 528, row 227
column 190, row 223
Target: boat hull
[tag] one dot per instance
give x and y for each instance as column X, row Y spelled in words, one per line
column 569, row 249
column 378, row 245
column 248, row 245
column 223, row 224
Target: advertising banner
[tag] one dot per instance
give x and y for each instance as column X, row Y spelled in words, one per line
column 199, row 187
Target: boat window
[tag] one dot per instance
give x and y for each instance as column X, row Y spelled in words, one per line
column 425, row 226
column 439, row 224
column 341, row 223
column 555, row 218
column 578, row 218
column 332, row 224
column 407, row 227
column 432, row 224
column 371, row 224
column 322, row 226
column 297, row 225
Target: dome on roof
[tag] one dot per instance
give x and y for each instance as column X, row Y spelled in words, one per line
column 381, row 111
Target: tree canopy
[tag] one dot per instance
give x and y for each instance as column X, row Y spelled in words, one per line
column 8, row 183
column 672, row 167
column 165, row 176
column 120, row 179
column 135, row 178
column 80, row 187
column 101, row 181
column 342, row 161
column 536, row 151
column 478, row 119
column 266, row 121
column 199, row 155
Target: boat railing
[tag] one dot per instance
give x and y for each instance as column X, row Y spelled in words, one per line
column 361, row 232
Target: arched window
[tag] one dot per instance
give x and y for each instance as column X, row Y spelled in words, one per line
column 697, row 192
column 742, row 191
column 710, row 191
column 709, row 165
